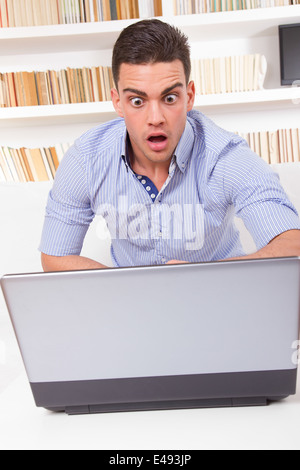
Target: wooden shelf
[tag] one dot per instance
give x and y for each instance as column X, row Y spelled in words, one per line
column 265, row 99
column 103, row 111
column 57, row 114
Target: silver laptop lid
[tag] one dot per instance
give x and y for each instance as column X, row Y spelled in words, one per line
column 206, row 318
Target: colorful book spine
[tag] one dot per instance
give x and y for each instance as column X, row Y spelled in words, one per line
column 229, row 74
column 50, row 87
column 281, row 146
column 25, row 165
column 190, row 7
column 20, row 13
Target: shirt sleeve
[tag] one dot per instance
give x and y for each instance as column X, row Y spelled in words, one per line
column 255, row 190
column 68, row 211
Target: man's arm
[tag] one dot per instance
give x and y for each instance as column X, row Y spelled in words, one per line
column 68, row 263
column 285, row 245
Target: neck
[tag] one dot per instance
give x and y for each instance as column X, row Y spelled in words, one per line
column 158, row 172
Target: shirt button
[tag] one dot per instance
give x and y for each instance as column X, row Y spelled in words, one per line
column 160, row 233
column 164, row 260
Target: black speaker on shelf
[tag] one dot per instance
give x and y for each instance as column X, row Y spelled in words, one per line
column 289, row 37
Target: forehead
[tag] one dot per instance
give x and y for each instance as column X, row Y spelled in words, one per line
column 147, row 77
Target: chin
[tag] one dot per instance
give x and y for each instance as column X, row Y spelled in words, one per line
column 159, row 158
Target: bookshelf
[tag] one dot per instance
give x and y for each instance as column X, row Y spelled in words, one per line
column 90, row 44
column 103, row 111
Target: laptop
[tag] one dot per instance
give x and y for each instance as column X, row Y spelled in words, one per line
column 159, row 337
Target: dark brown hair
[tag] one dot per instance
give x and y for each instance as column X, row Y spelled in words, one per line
column 150, row 42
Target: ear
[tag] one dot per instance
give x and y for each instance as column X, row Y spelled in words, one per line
column 191, row 94
column 116, row 102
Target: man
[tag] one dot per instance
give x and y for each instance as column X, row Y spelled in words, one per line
column 166, row 179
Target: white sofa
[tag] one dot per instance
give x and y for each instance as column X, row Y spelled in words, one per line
column 22, row 207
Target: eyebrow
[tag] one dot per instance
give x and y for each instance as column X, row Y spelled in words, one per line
column 144, row 95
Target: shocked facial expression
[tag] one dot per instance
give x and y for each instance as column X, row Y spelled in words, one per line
column 154, row 100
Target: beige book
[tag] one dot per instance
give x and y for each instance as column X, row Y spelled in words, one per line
column 15, row 157
column 54, row 156
column 233, row 72
column 241, row 73
column 30, row 91
column 26, row 164
column 46, row 163
column 289, row 145
column 11, row 14
column 157, row 8
column 3, row 98
column 31, row 164
column 228, row 74
column 282, row 146
column 23, row 165
column 98, row 72
column 217, row 79
column 19, row 12
column 251, row 82
column 20, row 88
column 11, row 89
column 43, row 91
column 202, row 77
column 4, row 13
column 87, row 92
column 106, row 10
column 10, row 164
column 38, row 164
column 71, row 85
column 5, row 168
column 54, row 11
column 102, row 83
column 95, row 84
column 295, row 145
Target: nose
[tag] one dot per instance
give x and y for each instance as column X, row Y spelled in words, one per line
column 155, row 114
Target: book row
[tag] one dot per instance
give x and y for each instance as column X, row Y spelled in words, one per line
column 190, row 7
column 86, row 85
column 68, row 86
column 24, row 165
column 281, row 146
column 19, row 13
column 229, row 74
column 40, row 164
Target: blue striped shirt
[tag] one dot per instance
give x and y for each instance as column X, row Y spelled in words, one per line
column 213, row 177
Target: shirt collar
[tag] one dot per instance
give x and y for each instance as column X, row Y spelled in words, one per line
column 182, row 153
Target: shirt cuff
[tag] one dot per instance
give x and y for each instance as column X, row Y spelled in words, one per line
column 61, row 239
column 269, row 222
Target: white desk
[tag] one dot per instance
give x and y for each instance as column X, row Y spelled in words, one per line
column 23, row 426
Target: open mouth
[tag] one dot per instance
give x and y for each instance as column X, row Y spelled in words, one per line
column 157, row 139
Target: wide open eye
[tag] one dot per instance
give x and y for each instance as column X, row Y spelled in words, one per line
column 137, row 102
column 170, row 99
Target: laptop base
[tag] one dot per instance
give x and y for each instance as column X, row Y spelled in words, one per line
column 172, row 405
column 162, row 393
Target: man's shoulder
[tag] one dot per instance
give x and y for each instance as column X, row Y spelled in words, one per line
column 209, row 135
column 102, row 137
